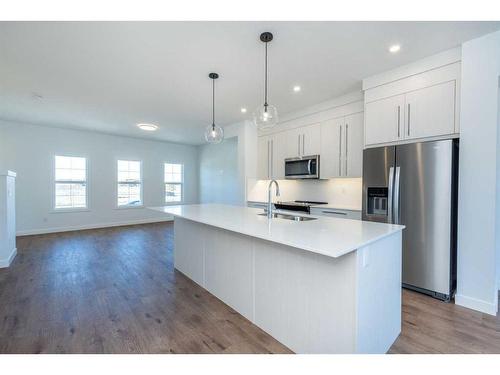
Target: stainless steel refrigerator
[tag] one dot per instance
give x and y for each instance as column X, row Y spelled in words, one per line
column 416, row 185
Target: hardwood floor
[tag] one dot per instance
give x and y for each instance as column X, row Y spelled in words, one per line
column 115, row 291
column 432, row 326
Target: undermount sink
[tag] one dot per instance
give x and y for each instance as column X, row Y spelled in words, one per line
column 289, row 217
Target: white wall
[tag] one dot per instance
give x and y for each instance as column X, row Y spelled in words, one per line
column 219, row 174
column 246, row 135
column 29, row 150
column 478, row 206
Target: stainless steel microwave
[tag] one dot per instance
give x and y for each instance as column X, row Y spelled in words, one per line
column 304, row 167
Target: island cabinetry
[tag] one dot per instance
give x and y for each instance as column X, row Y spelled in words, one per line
column 310, row 302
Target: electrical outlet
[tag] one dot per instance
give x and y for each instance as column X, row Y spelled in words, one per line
column 366, row 257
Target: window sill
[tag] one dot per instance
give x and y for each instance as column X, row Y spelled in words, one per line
column 128, row 207
column 68, row 210
column 173, row 203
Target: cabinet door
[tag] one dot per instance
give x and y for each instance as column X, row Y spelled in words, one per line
column 263, row 158
column 430, row 111
column 293, row 143
column 384, row 120
column 353, row 146
column 278, row 155
column 330, row 153
column 311, row 140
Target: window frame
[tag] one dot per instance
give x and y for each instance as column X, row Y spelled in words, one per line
column 141, row 179
column 54, row 182
column 173, row 183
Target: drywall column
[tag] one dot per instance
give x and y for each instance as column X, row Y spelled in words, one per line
column 477, row 206
column 7, row 218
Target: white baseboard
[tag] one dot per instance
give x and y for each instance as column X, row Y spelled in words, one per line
column 31, row 232
column 8, row 261
column 476, row 304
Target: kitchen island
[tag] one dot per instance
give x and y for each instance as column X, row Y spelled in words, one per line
column 319, row 286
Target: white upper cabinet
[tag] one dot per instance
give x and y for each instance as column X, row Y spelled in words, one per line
column 278, row 148
column 430, row 111
column 311, row 140
column 271, row 157
column 303, row 141
column 293, row 143
column 335, row 134
column 420, row 106
column 384, row 120
column 353, row 149
column 331, row 153
column 263, row 158
column 342, row 147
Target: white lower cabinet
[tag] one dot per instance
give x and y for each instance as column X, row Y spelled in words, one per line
column 342, row 147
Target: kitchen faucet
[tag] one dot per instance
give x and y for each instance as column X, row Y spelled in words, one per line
column 269, row 201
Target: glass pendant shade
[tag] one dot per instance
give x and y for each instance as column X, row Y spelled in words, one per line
column 265, row 117
column 214, row 134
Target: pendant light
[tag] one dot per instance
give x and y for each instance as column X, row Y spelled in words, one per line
column 214, row 133
column 266, row 116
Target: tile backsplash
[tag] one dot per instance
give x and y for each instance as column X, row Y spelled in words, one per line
column 338, row 192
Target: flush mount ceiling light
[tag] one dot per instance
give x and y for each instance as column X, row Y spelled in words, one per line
column 243, row 110
column 148, row 127
column 394, row 48
column 214, row 133
column 266, row 116
column 296, row 88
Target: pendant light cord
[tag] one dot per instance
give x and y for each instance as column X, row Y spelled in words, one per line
column 265, row 84
column 213, row 103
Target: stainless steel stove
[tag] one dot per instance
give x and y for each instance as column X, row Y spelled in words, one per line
column 302, row 206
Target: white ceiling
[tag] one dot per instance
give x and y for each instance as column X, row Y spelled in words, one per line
column 108, row 76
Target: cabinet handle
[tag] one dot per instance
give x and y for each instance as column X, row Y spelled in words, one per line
column 340, row 150
column 408, row 118
column 298, row 145
column 346, row 143
column 334, row 212
column 399, row 121
column 303, row 143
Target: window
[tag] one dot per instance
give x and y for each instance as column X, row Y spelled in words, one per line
column 173, row 182
column 129, row 183
column 70, row 183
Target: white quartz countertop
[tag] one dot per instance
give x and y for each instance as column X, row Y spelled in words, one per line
column 327, row 236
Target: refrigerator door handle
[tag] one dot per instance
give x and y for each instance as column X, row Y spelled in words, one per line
column 390, row 195
column 396, row 196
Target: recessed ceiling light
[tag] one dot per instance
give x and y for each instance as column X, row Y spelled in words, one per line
column 394, row 48
column 243, row 110
column 296, row 88
column 148, row 127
